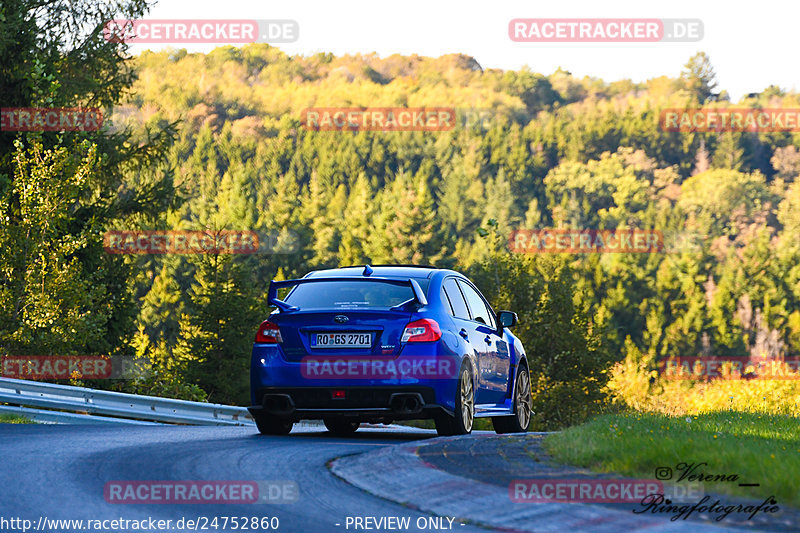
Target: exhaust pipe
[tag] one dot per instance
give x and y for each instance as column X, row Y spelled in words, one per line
column 406, row 403
column 278, row 404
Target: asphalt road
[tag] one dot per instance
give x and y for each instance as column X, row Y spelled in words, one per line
column 60, row 472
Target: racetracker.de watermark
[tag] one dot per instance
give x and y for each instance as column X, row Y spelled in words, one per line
column 201, row 492
column 727, row 367
column 583, row 490
column 585, row 241
column 83, row 367
column 378, row 118
column 134, row 31
column 604, row 30
column 50, row 119
column 408, row 367
column 730, row 119
column 481, row 118
column 199, row 242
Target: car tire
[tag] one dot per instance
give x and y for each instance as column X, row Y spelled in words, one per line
column 521, row 419
column 341, row 427
column 273, row 426
column 464, row 416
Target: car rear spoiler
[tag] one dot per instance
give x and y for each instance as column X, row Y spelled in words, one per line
column 272, row 294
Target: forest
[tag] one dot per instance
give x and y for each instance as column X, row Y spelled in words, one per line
column 215, row 142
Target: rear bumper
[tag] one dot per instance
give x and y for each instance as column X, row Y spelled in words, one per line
column 365, row 394
column 363, row 403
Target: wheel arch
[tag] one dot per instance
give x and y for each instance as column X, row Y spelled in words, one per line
column 522, row 361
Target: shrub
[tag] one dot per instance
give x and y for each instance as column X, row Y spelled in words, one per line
column 567, row 361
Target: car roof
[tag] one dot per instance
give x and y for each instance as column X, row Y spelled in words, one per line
column 402, row 271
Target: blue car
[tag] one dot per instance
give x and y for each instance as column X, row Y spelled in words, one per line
column 386, row 343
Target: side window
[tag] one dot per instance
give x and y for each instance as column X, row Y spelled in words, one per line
column 480, row 311
column 446, row 302
column 457, row 302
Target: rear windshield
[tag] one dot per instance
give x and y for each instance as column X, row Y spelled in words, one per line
column 351, row 294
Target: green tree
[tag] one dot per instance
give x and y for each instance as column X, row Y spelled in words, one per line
column 407, row 226
column 699, row 77
column 563, row 344
column 48, row 304
column 216, row 333
column 358, row 223
column 55, row 55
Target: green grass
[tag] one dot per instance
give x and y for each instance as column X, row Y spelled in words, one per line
column 11, row 419
column 758, row 447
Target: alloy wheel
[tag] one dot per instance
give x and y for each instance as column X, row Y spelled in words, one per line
column 523, row 400
column 467, row 400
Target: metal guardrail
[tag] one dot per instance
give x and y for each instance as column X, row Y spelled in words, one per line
column 132, row 407
column 61, row 417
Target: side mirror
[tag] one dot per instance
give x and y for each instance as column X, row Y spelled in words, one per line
column 507, row 319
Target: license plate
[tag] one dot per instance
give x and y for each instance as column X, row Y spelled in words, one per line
column 341, row 340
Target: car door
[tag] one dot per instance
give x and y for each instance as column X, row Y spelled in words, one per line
column 463, row 323
column 492, row 350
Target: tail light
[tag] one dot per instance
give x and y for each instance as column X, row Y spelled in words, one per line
column 269, row 332
column 423, row 330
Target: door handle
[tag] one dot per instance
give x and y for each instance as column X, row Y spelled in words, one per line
column 488, row 339
column 463, row 333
